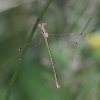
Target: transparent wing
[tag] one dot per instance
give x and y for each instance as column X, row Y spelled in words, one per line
column 31, row 50
column 67, row 37
column 67, row 40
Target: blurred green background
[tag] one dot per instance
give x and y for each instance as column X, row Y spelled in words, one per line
column 77, row 69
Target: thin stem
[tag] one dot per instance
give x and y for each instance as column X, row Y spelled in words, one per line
column 29, row 40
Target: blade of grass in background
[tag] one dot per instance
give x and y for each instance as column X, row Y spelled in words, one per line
column 29, row 40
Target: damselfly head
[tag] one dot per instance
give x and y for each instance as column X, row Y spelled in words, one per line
column 42, row 24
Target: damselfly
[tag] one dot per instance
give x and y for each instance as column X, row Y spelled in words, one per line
column 64, row 39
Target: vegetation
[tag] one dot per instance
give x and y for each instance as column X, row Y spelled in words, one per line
column 77, row 66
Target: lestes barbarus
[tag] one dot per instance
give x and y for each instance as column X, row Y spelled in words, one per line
column 32, row 47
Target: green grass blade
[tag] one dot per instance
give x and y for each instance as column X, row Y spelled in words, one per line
column 29, row 40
